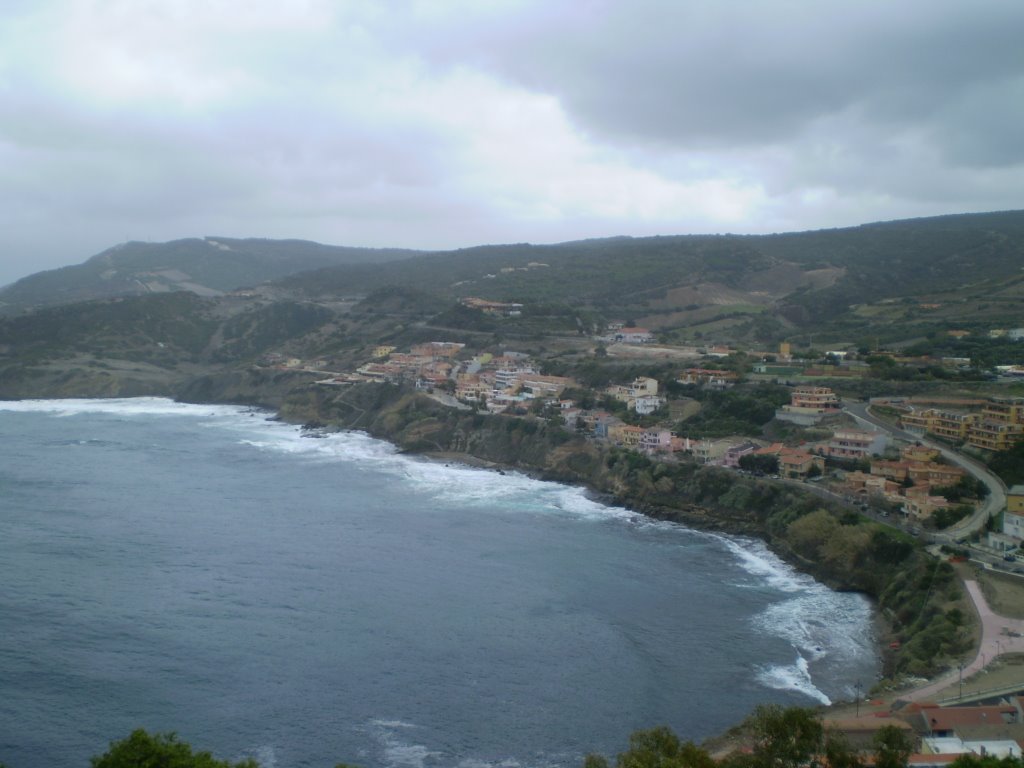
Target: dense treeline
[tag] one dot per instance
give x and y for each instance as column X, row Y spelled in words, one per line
column 772, row 737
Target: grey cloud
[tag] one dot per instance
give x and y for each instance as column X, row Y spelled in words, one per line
column 694, row 75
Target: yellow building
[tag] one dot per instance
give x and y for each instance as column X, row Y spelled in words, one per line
column 1015, row 500
column 1005, row 410
column 952, row 425
column 995, row 436
column 625, row 435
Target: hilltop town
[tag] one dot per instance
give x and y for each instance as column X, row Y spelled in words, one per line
column 808, row 438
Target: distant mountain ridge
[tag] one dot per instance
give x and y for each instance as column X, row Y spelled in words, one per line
column 889, row 281
column 787, row 280
column 206, row 266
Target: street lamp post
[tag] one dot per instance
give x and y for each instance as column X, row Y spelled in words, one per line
column 857, row 689
column 961, row 665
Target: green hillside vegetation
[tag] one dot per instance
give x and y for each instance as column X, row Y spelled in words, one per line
column 143, row 345
column 867, row 282
column 206, row 266
column 877, row 284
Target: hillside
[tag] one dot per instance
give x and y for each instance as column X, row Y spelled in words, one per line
column 903, row 285
column 839, row 284
column 143, row 345
column 207, row 267
column 899, row 282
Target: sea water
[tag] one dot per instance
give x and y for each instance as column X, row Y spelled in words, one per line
column 307, row 601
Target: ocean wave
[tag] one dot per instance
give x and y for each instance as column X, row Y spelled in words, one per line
column 754, row 557
column 450, row 482
column 453, row 482
column 397, row 752
column 828, row 631
column 792, row 677
column 129, row 406
column 821, row 626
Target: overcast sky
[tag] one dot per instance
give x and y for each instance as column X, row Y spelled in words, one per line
column 448, row 123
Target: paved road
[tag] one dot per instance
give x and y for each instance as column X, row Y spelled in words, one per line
column 994, row 502
column 996, row 639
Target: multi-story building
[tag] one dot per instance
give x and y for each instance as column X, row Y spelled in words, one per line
column 539, row 386
column 892, row 470
column 1000, row 426
column 952, row 425
column 923, row 506
column 809, row 405
column 732, row 456
column 647, row 404
column 863, row 484
column 510, row 375
column 798, row 463
column 1015, row 500
column 640, row 396
column 437, row 350
column 712, row 378
column 918, row 452
column 656, row 440
column 932, row 475
column 1007, row 410
column 822, row 398
column 1013, row 519
column 625, row 435
column 854, row 444
column 997, row 427
column 994, row 435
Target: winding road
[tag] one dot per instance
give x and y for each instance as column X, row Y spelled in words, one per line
column 993, row 503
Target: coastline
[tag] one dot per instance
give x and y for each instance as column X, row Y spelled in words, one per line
column 704, row 498
column 379, row 423
column 881, row 630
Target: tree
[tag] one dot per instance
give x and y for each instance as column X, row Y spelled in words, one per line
column 656, row 748
column 786, row 737
column 839, row 753
column 892, row 747
column 989, row 761
column 661, row 748
column 764, row 464
column 142, row 750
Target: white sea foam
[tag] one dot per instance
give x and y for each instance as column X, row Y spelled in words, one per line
column 457, row 483
column 133, row 406
column 815, row 621
column 399, row 752
column 819, row 624
column 756, row 559
column 795, row 677
column 265, row 756
column 452, row 482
